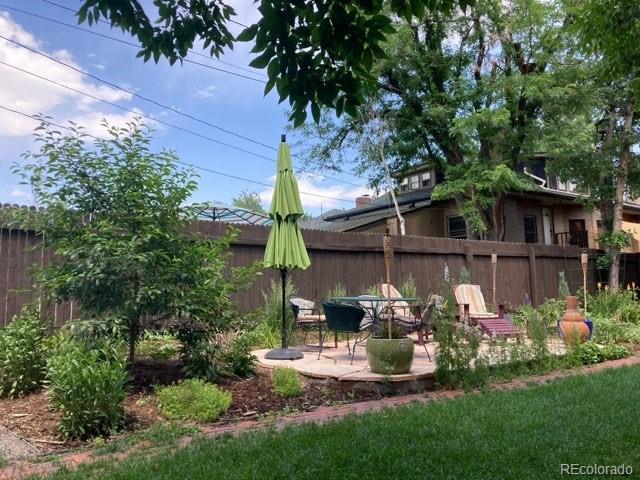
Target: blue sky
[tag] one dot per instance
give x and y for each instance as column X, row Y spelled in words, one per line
column 231, row 102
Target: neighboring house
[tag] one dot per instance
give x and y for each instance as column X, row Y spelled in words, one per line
column 549, row 215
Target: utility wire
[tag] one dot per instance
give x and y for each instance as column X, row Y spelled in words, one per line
column 156, row 120
column 72, row 10
column 191, row 165
column 159, row 104
column 126, row 42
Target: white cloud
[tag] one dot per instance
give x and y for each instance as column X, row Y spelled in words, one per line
column 206, row 92
column 21, row 194
column 315, row 195
column 32, row 95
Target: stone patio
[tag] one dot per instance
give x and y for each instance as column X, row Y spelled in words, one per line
column 335, row 363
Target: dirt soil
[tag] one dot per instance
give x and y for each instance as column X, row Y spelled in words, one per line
column 33, row 419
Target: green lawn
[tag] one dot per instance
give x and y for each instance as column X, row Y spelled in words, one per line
column 521, row 434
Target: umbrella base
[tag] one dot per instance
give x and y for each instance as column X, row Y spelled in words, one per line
column 284, row 354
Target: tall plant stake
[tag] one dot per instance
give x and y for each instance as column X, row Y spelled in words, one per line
column 387, row 247
column 584, row 259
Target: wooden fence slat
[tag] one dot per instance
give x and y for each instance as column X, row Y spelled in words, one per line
column 353, row 259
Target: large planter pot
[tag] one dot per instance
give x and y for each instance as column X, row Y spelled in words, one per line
column 572, row 324
column 390, row 356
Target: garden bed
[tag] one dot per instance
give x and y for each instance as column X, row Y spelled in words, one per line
column 31, row 417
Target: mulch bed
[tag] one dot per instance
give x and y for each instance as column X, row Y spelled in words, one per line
column 32, row 418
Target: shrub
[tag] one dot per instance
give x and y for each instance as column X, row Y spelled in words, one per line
column 23, row 353
column 286, row 382
column 615, row 352
column 239, row 358
column 458, row 361
column 588, row 353
column 193, row 400
column 609, row 331
column 88, row 387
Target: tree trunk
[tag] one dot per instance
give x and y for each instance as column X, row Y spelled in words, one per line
column 498, row 219
column 621, row 187
column 133, row 339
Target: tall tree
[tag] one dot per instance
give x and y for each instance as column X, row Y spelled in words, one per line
column 316, row 52
column 250, row 201
column 605, row 162
column 464, row 92
column 114, row 214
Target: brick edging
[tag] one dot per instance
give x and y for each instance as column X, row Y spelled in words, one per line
column 320, row 415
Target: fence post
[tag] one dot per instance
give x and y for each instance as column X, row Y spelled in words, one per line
column 533, row 278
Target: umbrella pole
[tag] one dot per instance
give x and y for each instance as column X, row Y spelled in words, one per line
column 284, row 353
column 285, row 340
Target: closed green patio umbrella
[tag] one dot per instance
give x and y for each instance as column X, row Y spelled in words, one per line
column 285, row 247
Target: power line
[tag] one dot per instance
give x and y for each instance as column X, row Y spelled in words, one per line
column 72, row 10
column 156, row 120
column 191, row 165
column 159, row 104
column 191, row 51
column 126, row 42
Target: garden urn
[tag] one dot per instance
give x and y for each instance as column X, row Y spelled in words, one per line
column 572, row 324
column 390, row 356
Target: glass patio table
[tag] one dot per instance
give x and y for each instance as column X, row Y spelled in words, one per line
column 371, row 303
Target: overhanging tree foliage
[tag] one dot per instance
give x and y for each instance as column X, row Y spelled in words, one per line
column 114, row 213
column 466, row 92
column 602, row 158
column 317, row 52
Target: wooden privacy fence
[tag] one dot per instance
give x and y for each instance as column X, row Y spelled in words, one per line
column 354, row 259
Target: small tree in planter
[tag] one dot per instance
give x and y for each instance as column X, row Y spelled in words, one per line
column 114, row 214
column 389, row 351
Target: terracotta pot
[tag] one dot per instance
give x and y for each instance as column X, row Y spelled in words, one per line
column 572, row 323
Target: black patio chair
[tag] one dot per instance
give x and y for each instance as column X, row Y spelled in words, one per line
column 344, row 317
column 307, row 316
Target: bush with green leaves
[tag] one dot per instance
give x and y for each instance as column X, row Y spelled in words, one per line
column 118, row 222
column 458, row 359
column 23, row 353
column 588, row 353
column 615, row 352
column 193, row 400
column 286, row 382
column 239, row 358
column 621, row 306
column 87, row 385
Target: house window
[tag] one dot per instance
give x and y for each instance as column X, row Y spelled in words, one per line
column 457, row 227
column 415, row 182
column 530, row 229
column 562, row 185
column 426, row 179
column 404, row 185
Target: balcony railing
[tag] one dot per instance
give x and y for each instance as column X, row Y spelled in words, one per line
column 579, row 238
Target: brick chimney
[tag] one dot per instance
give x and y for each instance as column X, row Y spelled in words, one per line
column 363, row 200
